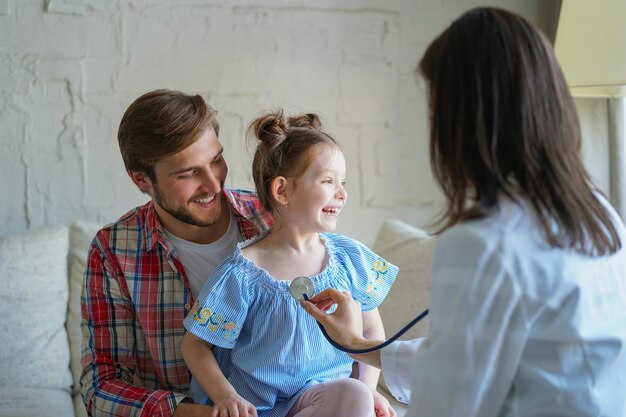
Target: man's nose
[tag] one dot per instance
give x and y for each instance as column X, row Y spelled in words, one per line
column 212, row 182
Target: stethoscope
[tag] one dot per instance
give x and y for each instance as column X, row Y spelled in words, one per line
column 302, row 288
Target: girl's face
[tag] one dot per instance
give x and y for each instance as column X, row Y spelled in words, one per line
column 318, row 194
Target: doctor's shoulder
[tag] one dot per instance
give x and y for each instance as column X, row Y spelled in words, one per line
column 471, row 245
column 510, row 227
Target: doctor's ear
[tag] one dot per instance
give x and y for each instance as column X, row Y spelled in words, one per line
column 281, row 188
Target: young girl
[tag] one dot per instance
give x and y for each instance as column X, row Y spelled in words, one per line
column 249, row 345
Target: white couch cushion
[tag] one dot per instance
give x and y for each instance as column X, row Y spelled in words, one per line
column 33, row 304
column 81, row 235
column 79, row 406
column 410, row 249
column 35, row 402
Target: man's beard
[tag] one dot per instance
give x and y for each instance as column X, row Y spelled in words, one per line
column 181, row 213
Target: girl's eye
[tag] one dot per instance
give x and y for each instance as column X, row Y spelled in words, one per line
column 217, row 160
column 328, row 181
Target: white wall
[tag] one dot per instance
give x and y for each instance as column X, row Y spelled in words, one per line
column 69, row 69
column 594, row 123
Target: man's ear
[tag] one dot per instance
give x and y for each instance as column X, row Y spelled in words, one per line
column 281, row 188
column 141, row 180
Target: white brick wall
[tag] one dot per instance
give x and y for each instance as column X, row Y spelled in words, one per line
column 69, row 68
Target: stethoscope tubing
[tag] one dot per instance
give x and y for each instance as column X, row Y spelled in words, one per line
column 373, row 348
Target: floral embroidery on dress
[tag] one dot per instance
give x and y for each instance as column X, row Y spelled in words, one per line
column 376, row 274
column 214, row 322
column 194, row 310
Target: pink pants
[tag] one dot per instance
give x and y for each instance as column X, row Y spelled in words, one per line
column 341, row 398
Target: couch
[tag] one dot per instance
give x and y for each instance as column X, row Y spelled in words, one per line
column 41, row 276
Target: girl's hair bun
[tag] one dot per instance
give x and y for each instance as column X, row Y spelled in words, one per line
column 308, row 120
column 270, row 129
column 273, row 128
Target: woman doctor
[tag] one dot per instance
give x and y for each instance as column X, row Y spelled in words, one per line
column 528, row 314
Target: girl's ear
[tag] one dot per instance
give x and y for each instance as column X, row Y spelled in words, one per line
column 281, row 190
column 141, row 180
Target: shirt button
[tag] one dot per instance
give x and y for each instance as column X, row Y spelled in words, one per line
column 187, row 306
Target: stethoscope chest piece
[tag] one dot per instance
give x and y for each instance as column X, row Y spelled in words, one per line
column 301, row 286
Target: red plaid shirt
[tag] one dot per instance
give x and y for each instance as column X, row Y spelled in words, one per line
column 135, row 298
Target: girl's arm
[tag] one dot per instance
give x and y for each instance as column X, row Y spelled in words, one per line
column 204, row 368
column 373, row 330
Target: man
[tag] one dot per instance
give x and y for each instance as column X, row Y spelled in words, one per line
column 144, row 270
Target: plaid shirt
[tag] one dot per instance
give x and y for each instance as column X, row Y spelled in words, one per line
column 135, row 298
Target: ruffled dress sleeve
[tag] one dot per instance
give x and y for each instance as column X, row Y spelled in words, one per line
column 369, row 276
column 220, row 311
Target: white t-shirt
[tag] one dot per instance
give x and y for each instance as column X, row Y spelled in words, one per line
column 199, row 260
column 517, row 328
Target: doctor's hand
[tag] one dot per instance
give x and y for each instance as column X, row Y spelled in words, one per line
column 344, row 325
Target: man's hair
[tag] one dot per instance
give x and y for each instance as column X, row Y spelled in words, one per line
column 159, row 124
column 504, row 123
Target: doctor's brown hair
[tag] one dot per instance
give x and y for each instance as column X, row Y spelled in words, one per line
column 159, row 124
column 504, row 123
column 286, row 146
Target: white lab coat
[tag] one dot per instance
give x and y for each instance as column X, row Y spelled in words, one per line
column 517, row 328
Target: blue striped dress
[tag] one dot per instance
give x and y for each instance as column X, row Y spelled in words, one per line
column 267, row 346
